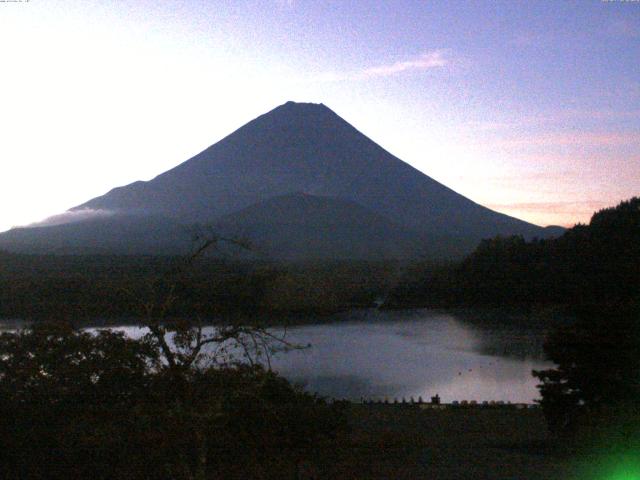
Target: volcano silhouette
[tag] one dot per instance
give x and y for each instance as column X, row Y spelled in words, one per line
column 295, row 177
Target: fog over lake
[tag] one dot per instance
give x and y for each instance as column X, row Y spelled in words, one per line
column 395, row 354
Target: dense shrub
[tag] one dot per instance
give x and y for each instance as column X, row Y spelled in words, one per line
column 84, row 405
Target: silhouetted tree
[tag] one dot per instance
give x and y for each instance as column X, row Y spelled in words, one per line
column 67, row 399
column 597, row 371
column 75, row 404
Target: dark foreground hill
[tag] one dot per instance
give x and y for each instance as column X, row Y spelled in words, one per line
column 381, row 205
column 587, row 265
column 309, row 227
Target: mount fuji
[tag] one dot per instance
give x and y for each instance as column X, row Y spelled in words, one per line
column 298, row 182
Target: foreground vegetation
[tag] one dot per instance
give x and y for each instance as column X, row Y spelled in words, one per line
column 75, row 404
column 80, row 405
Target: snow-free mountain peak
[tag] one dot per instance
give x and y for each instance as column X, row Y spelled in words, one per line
column 306, row 147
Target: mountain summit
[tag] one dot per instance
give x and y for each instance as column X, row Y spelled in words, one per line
column 307, row 148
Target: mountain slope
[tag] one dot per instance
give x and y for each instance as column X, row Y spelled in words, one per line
column 117, row 234
column 307, row 148
column 306, row 227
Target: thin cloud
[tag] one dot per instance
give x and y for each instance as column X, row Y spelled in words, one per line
column 72, row 216
column 565, row 213
column 524, row 179
column 579, row 139
column 583, row 206
column 554, row 118
column 426, row 61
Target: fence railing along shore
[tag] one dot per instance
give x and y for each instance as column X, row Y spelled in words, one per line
column 436, row 404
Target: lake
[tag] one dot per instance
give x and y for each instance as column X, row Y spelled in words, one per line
column 394, row 354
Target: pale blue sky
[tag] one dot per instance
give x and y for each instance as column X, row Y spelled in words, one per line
column 528, row 107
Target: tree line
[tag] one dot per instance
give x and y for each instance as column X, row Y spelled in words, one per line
column 598, row 262
column 86, row 288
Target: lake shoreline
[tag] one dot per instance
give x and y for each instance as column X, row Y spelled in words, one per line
column 378, row 354
column 536, row 317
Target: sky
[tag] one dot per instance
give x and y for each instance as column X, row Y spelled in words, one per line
column 531, row 108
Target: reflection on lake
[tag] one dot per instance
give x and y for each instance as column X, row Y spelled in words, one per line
column 395, row 354
column 419, row 353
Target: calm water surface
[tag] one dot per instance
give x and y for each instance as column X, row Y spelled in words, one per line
column 420, row 353
column 377, row 354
